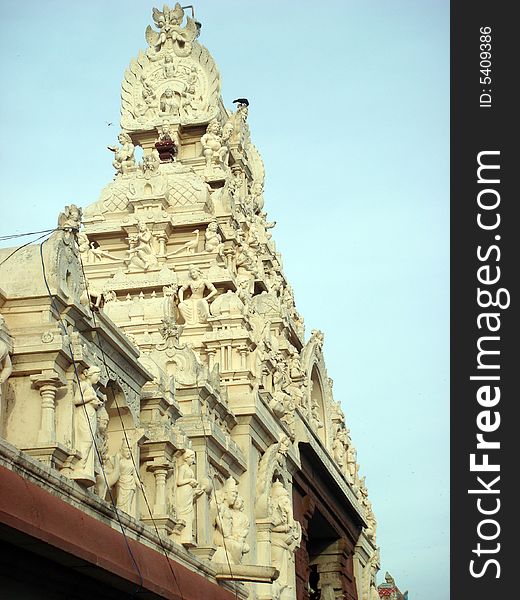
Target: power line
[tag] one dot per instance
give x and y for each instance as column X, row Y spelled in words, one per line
column 127, row 441
column 46, row 234
column 88, row 421
column 18, row 235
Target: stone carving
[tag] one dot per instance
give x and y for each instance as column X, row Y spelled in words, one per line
column 317, row 338
column 169, row 103
column 175, row 80
column 126, row 478
column 70, row 218
column 171, row 35
column 213, row 240
column 227, row 304
column 214, row 148
column 257, row 196
column 87, row 401
column 339, row 448
column 241, row 130
column 189, row 247
column 169, row 296
column 258, row 236
column 230, row 525
column 187, row 492
column 285, row 536
column 150, row 163
column 271, row 465
column 6, row 349
column 370, row 531
column 170, row 333
column 141, row 252
column 247, row 264
column 104, row 467
column 195, row 309
column 123, row 155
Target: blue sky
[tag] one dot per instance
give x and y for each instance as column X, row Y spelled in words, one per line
column 350, row 111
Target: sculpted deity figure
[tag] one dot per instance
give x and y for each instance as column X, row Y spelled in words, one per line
column 169, row 294
column 169, row 103
column 247, row 264
column 230, row 524
column 257, row 196
column 212, row 147
column 227, row 132
column 171, row 34
column 295, row 364
column 240, row 529
column 192, row 101
column 102, row 460
column 285, row 535
column 123, row 155
column 150, row 163
column 187, row 492
column 70, row 218
column 195, row 309
column 148, row 104
column 339, row 448
column 258, row 227
column 87, row 402
column 141, row 252
column 169, row 67
column 6, row 349
column 127, row 480
column 213, row 240
column 283, row 402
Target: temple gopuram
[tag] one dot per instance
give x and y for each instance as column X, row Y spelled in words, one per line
column 167, row 427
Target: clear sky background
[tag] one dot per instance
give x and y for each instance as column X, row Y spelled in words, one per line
column 350, row 111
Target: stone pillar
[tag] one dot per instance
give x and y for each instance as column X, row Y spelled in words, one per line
column 243, row 357
column 263, row 551
column 162, row 238
column 160, row 473
column 47, row 384
column 211, row 358
column 333, row 569
column 203, row 526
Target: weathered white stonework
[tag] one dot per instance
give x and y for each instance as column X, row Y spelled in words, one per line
column 163, row 357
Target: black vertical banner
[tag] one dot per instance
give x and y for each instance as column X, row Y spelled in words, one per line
column 485, row 250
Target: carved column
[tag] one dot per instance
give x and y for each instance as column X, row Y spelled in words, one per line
column 47, row 384
column 203, row 527
column 162, row 239
column 335, row 570
column 263, row 552
column 243, row 350
column 160, row 473
column 211, row 358
column 155, row 455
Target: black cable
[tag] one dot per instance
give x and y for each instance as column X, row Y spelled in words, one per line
column 127, row 441
column 214, row 489
column 17, row 235
column 27, row 244
column 64, row 329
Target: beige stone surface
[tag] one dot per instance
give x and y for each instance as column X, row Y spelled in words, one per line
column 163, row 357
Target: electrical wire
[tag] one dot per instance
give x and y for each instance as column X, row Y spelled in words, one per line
column 64, row 329
column 219, row 516
column 128, row 442
column 46, row 234
column 17, row 235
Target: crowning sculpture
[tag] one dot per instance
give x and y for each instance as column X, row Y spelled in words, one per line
column 209, row 371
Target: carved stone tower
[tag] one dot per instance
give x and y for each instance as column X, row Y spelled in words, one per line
column 243, row 456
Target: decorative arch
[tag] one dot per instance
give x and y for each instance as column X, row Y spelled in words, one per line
column 319, row 386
